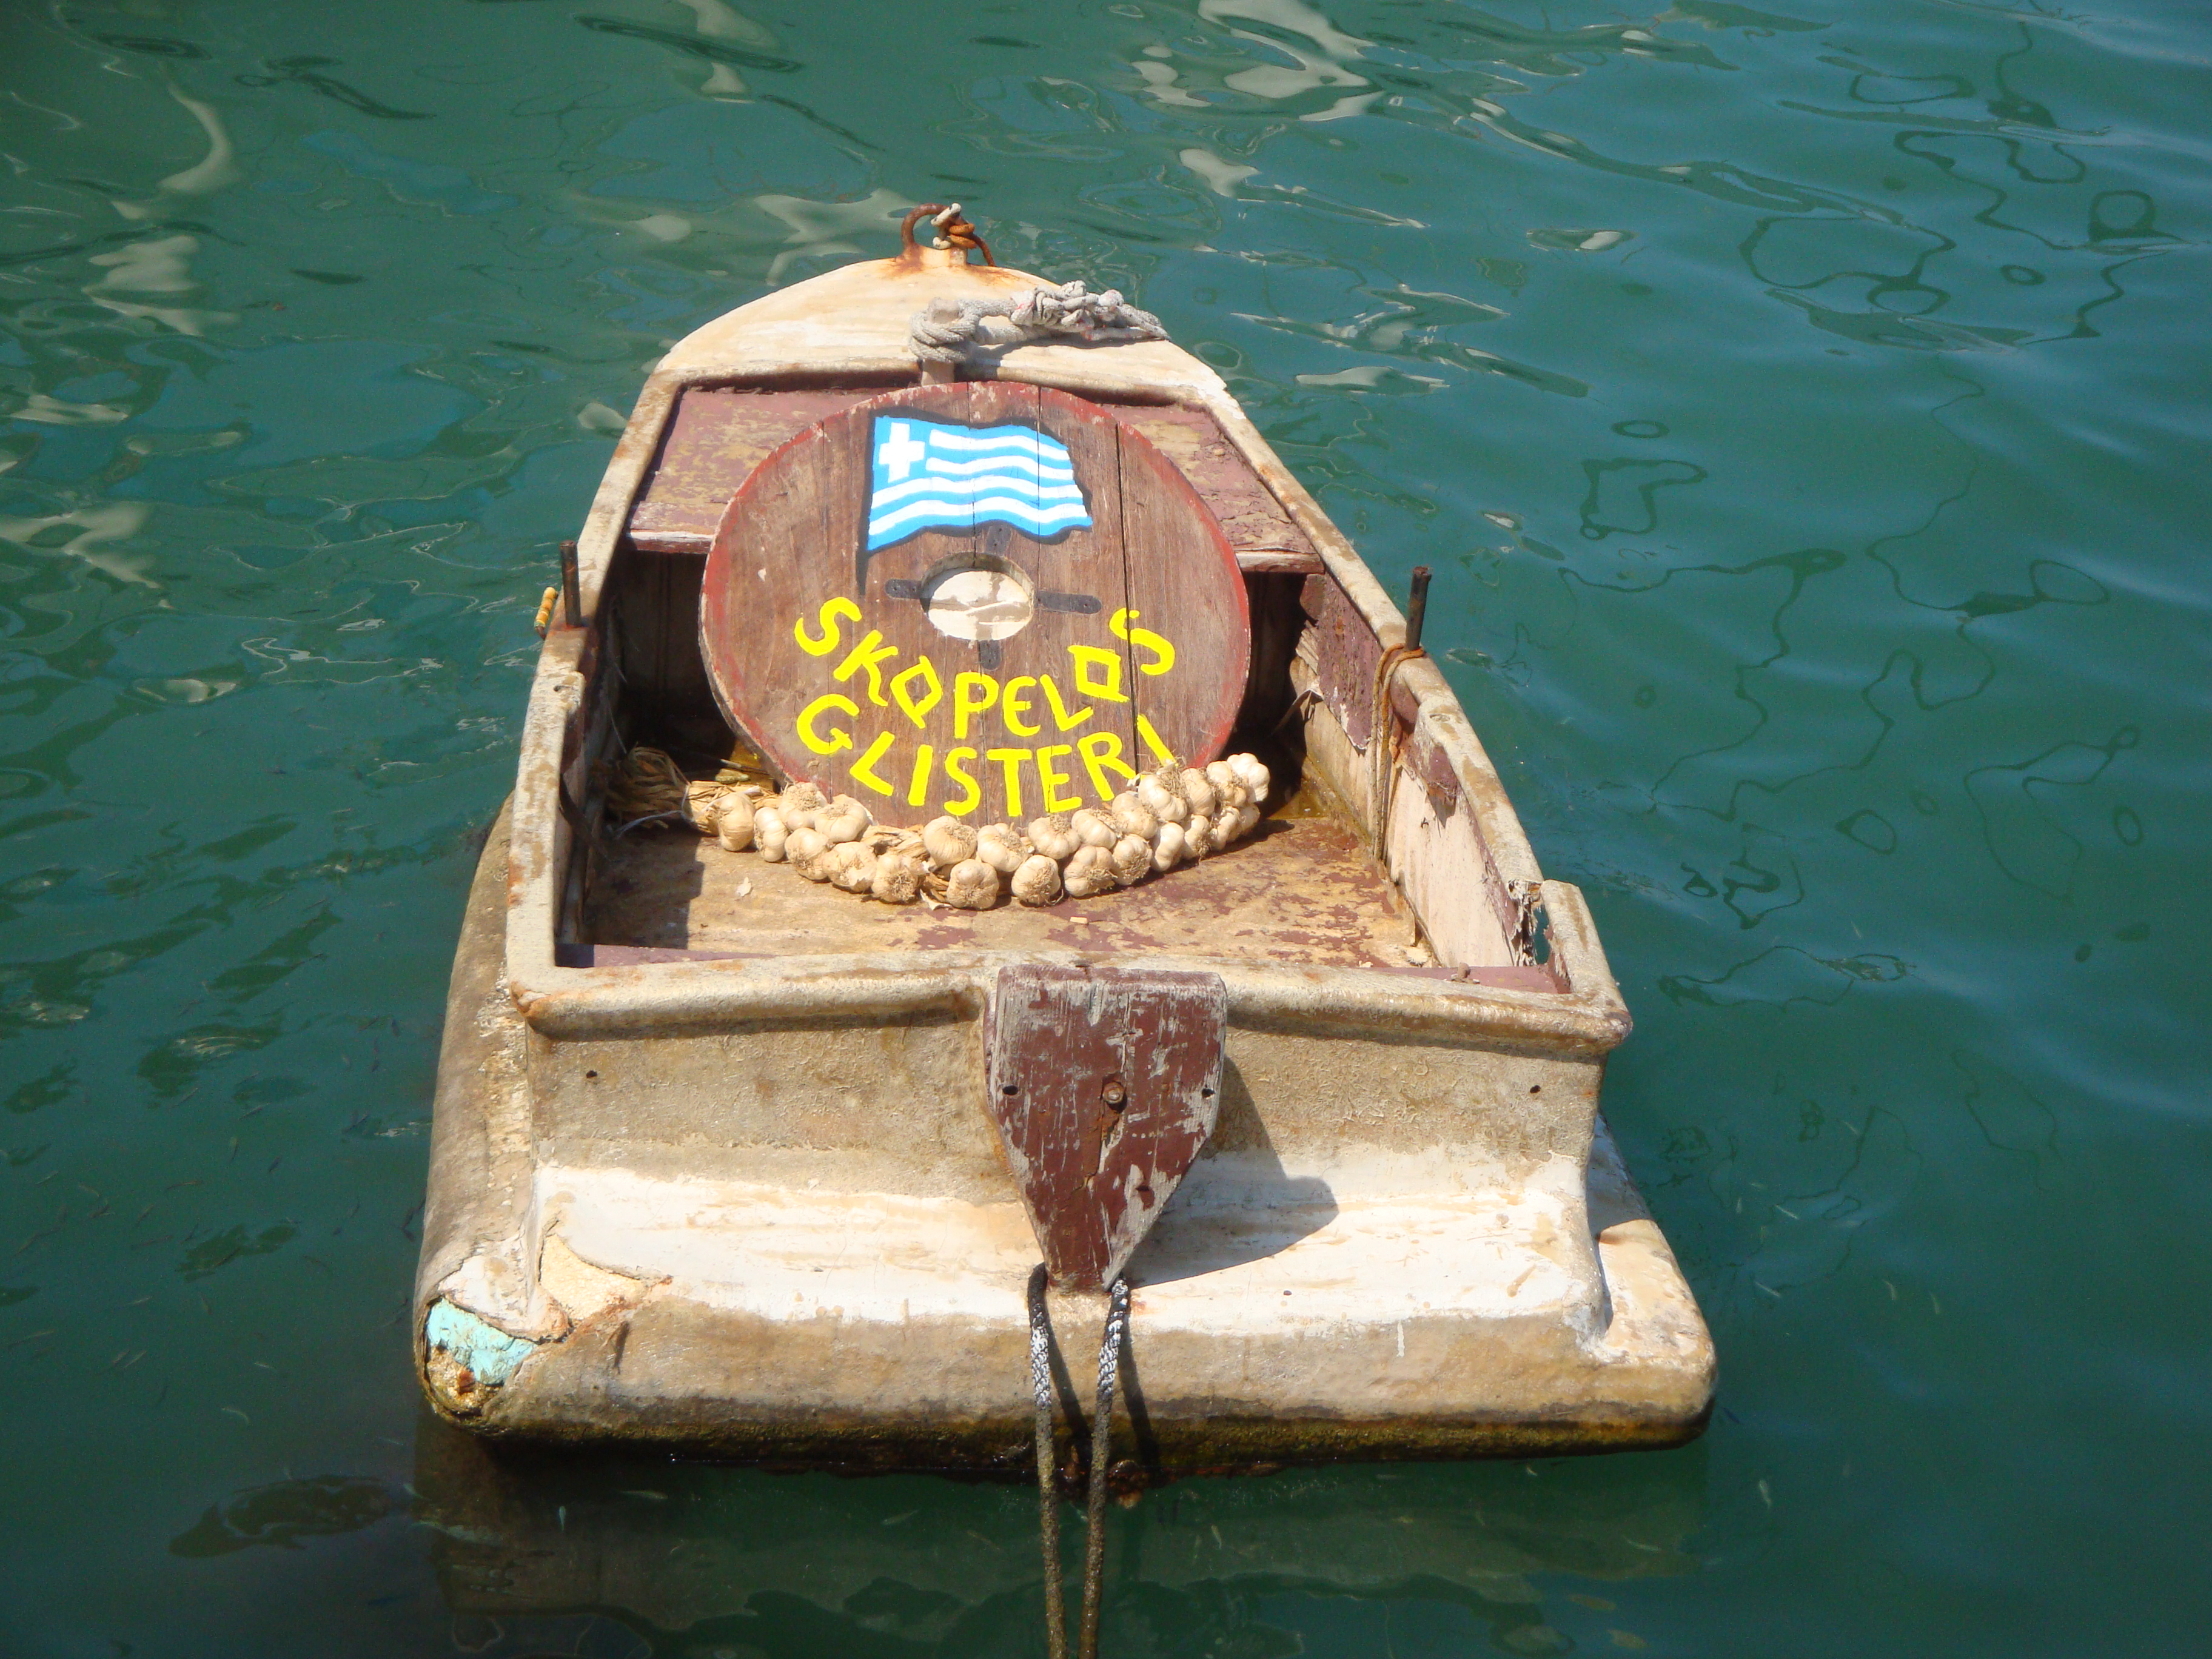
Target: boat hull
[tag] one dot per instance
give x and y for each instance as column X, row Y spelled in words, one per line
column 711, row 1165
column 1302, row 1302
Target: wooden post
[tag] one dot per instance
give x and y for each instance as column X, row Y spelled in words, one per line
column 1417, row 608
column 572, row 599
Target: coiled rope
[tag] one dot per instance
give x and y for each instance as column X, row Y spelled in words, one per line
column 1102, row 1445
column 949, row 329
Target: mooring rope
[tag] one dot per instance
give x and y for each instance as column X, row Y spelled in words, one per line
column 945, row 332
column 1102, row 1446
column 1382, row 745
column 1055, row 1602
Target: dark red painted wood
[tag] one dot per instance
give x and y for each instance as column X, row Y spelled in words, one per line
column 1104, row 1084
column 825, row 659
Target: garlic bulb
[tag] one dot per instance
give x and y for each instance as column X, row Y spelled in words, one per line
column 1252, row 774
column 1132, row 860
column 808, row 850
column 845, row 820
column 948, row 841
column 1200, row 790
column 852, row 866
column 1002, row 847
column 733, row 821
column 1164, row 804
column 1171, row 815
column 1037, row 882
column 801, row 804
column 1053, row 836
column 1132, row 817
column 1090, row 873
column 899, row 877
column 972, row 885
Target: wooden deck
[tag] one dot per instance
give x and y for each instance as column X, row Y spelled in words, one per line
column 1302, row 891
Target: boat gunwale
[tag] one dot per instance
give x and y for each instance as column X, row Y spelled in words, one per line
column 648, row 998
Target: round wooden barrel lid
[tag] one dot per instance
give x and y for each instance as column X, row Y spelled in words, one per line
column 982, row 598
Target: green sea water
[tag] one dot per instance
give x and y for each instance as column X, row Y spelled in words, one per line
column 1804, row 408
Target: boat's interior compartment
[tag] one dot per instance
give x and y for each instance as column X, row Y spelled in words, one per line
column 1306, row 889
column 1302, row 889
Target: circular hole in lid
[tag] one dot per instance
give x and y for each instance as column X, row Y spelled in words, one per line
column 979, row 600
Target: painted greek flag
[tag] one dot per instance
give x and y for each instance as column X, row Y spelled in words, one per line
column 929, row 476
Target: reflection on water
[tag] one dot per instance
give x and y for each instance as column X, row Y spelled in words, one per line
column 695, row 1558
column 1801, row 407
column 282, row 1514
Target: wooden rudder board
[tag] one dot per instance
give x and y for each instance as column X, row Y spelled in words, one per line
column 1105, row 1084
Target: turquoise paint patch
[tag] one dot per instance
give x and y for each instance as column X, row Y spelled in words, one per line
column 486, row 1350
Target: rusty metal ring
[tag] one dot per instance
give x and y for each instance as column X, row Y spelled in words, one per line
column 958, row 233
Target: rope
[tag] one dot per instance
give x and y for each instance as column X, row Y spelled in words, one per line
column 1055, row 1602
column 1381, row 740
column 1101, row 1443
column 944, row 333
column 648, row 784
column 1102, row 1446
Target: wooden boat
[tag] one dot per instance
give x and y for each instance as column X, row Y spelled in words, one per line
column 732, row 1160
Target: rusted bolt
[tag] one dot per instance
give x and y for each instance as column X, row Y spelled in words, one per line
column 1114, row 1094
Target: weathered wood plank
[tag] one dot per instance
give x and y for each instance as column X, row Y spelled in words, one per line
column 1104, row 1084
column 1349, row 656
column 1255, row 522
column 718, row 436
column 1177, row 594
column 714, row 440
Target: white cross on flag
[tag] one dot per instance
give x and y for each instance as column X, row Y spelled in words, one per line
column 931, row 476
